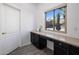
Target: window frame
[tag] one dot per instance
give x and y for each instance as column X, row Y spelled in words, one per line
column 58, row 7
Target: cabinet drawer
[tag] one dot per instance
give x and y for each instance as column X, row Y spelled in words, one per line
column 47, row 38
column 43, row 37
column 61, row 44
column 34, row 35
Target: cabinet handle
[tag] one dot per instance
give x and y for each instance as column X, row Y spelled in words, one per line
column 60, row 43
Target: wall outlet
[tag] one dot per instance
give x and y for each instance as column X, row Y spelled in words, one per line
column 76, row 29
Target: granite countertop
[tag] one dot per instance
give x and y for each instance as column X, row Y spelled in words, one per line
column 66, row 39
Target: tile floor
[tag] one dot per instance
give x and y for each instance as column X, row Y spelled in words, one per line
column 31, row 50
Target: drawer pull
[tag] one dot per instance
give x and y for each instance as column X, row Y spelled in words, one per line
column 60, row 43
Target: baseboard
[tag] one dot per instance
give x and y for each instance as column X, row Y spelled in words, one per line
column 26, row 44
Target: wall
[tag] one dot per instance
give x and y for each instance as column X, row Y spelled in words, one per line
column 27, row 20
column 72, row 19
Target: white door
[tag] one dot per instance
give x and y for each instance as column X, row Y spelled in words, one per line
column 9, row 28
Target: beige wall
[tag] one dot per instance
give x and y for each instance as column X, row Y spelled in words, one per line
column 72, row 18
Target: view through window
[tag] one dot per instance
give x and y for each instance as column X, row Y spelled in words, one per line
column 56, row 19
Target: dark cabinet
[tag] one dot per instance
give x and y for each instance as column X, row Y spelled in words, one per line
column 60, row 48
column 59, row 51
column 42, row 42
column 73, row 53
column 34, row 39
column 38, row 41
column 73, row 50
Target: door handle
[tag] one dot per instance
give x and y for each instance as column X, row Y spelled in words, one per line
column 3, row 33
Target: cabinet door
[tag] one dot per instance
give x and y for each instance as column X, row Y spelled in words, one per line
column 32, row 37
column 73, row 53
column 35, row 39
column 59, row 51
column 38, row 41
column 42, row 43
column 73, row 50
column 60, row 48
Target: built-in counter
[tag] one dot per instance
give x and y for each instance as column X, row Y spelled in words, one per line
column 63, row 45
column 66, row 39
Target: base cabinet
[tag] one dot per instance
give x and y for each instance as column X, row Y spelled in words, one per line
column 73, row 53
column 60, row 51
column 42, row 43
column 38, row 41
column 60, row 48
column 35, row 39
column 73, row 50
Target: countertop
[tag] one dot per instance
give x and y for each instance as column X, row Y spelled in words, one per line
column 66, row 39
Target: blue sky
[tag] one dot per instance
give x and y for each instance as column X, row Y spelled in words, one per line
column 51, row 14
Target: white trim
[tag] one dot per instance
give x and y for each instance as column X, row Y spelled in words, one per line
column 11, row 6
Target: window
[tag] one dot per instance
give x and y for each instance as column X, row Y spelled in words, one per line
column 56, row 19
